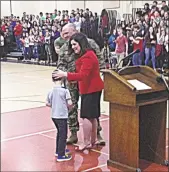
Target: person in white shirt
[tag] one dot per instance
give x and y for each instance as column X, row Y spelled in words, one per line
column 2, row 43
column 159, row 47
column 166, row 40
column 31, row 44
column 77, row 23
column 26, row 48
column 47, row 42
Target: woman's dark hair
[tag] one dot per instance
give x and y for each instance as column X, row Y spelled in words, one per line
column 81, row 39
column 147, row 35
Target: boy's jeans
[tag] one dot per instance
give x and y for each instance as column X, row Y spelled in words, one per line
column 48, row 52
column 61, row 125
column 35, row 51
column 18, row 42
column 26, row 53
column 137, row 59
column 148, row 52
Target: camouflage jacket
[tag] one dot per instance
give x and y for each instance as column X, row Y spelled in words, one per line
column 67, row 62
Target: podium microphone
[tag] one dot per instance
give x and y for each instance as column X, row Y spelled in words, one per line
column 161, row 79
column 130, row 56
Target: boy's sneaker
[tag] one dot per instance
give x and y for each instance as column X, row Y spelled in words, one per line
column 66, row 152
column 64, row 158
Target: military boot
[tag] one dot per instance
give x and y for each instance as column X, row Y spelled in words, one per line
column 73, row 138
column 100, row 140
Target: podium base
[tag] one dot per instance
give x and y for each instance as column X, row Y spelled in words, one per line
column 123, row 167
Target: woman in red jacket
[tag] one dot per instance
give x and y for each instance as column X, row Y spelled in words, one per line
column 90, row 86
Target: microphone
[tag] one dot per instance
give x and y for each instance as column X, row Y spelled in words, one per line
column 130, row 56
column 161, row 79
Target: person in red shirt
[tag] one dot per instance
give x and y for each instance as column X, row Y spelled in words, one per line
column 18, row 34
column 90, row 86
column 137, row 39
column 121, row 46
column 151, row 14
column 104, row 22
column 3, row 27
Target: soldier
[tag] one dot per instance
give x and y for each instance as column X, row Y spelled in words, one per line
column 67, row 63
column 58, row 43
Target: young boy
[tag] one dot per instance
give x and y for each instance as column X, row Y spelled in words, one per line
column 59, row 100
column 121, row 49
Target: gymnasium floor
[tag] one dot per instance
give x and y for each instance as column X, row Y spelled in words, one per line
column 28, row 134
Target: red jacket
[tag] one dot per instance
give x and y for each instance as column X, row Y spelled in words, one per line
column 88, row 74
column 18, row 30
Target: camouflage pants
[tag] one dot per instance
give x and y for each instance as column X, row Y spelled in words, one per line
column 73, row 113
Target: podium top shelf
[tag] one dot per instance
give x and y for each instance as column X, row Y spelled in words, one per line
column 132, row 86
column 142, row 74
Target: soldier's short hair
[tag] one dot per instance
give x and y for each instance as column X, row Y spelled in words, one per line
column 70, row 25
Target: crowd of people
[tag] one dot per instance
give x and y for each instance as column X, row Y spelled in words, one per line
column 35, row 35
column 148, row 32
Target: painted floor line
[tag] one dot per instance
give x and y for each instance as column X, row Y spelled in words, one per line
column 94, row 150
column 47, row 136
column 26, row 135
column 93, row 168
column 33, row 134
column 20, row 96
column 13, row 73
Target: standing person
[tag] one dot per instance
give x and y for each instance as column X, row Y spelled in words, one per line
column 59, row 100
column 18, row 33
column 26, row 49
column 66, row 62
column 121, row 46
column 87, row 74
column 2, row 44
column 47, row 42
column 59, row 42
column 150, row 43
column 137, row 40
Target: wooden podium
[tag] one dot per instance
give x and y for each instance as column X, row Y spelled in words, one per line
column 137, row 117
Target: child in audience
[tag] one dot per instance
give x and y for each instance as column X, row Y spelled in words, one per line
column 25, row 42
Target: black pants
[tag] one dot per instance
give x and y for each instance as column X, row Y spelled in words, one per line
column 61, row 125
column 1, row 51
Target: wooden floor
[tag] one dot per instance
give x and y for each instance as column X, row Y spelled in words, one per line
column 28, row 134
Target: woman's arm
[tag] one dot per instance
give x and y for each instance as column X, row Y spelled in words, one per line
column 84, row 71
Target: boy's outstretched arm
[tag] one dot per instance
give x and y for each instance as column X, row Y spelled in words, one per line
column 49, row 100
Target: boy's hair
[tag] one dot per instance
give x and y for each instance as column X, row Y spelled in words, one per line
column 54, row 78
column 63, row 81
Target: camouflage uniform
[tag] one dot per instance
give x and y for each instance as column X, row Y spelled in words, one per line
column 67, row 63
